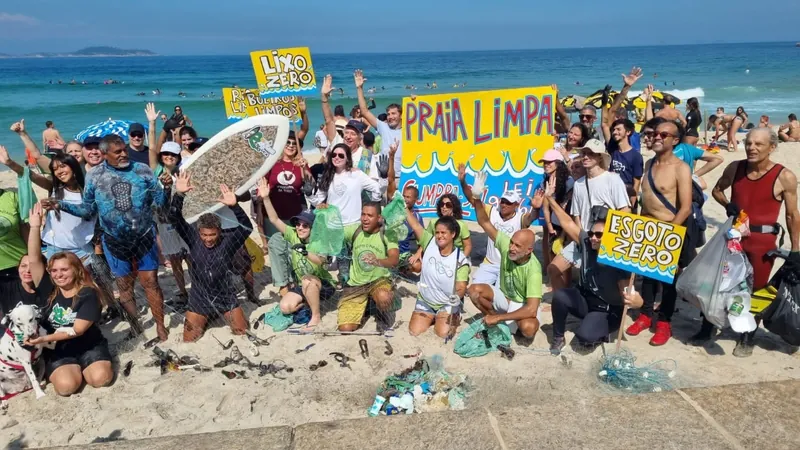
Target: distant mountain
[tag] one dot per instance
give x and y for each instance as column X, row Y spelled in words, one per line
column 85, row 52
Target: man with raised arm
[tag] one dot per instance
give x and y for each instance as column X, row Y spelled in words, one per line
column 516, row 295
column 390, row 130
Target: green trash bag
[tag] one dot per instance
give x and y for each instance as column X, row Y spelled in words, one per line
column 25, row 196
column 327, row 234
column 277, row 320
column 394, row 217
column 470, row 342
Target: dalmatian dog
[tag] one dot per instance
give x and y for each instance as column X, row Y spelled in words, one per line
column 17, row 360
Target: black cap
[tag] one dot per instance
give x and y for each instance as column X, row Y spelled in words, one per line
column 356, row 125
column 197, row 143
column 91, row 140
column 171, row 124
column 305, row 216
column 135, row 127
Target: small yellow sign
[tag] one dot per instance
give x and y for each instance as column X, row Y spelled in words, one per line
column 642, row 245
column 284, row 71
column 243, row 103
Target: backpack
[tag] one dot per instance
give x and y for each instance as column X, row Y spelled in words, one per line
column 696, row 222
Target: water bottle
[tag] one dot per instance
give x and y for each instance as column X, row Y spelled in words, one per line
column 736, row 307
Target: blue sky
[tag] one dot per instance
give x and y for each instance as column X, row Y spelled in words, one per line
column 239, row 26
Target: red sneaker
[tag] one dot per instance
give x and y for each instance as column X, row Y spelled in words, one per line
column 640, row 324
column 662, row 334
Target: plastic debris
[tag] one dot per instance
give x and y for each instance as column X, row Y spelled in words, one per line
column 620, row 370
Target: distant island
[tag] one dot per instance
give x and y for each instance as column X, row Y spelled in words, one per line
column 87, row 52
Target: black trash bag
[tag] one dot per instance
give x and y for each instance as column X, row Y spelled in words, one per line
column 782, row 316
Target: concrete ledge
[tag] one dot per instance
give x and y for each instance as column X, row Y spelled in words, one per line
column 761, row 415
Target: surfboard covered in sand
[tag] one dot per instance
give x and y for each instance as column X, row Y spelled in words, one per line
column 236, row 156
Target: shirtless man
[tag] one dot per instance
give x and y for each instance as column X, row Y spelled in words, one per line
column 51, row 138
column 760, row 187
column 669, row 198
column 790, row 132
column 667, row 112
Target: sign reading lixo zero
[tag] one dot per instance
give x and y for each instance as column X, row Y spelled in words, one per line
column 284, row 71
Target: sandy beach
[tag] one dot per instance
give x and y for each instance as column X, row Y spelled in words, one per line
column 148, row 404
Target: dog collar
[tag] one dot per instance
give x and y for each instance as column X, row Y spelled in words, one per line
column 16, row 336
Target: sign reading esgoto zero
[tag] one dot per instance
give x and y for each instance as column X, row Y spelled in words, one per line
column 243, row 103
column 503, row 132
column 284, row 71
column 642, row 245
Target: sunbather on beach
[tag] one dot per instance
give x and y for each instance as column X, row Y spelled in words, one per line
column 790, row 132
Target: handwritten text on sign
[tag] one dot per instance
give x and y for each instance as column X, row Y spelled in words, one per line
column 284, row 71
column 243, row 103
column 503, row 132
column 642, row 245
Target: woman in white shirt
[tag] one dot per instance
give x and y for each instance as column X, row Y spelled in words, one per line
column 443, row 280
column 62, row 231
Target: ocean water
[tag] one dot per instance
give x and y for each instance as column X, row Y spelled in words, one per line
column 716, row 74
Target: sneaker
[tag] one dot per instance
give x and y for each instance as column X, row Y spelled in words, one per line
column 744, row 347
column 641, row 323
column 662, row 334
column 557, row 345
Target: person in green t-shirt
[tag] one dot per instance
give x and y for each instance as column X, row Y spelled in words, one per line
column 370, row 279
column 13, row 233
column 516, row 296
column 315, row 282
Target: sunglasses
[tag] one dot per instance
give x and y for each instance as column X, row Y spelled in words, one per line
column 505, row 202
column 447, row 205
column 169, row 155
column 91, row 147
column 339, row 155
column 663, row 135
column 177, row 110
column 586, row 116
column 597, row 234
column 137, row 135
column 302, row 225
column 290, row 144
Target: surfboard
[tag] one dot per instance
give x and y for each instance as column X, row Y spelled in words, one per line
column 237, row 156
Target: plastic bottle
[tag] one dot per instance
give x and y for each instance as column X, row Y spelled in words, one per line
column 375, row 409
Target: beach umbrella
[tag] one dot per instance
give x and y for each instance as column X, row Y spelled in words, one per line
column 102, row 129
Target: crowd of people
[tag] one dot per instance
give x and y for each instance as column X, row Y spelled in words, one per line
column 113, row 216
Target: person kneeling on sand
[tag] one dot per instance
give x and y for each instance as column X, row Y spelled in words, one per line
column 598, row 302
column 210, row 253
column 516, row 295
column 443, row 281
column 314, row 283
column 373, row 254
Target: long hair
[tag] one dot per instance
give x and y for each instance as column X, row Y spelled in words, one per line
column 330, row 169
column 562, row 175
column 584, row 133
column 457, row 212
column 57, row 190
column 693, row 104
column 81, row 277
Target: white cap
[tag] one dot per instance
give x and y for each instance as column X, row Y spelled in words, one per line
column 598, row 148
column 744, row 322
column 171, row 147
column 512, row 196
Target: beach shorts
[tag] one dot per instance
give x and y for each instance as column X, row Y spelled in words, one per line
column 213, row 308
column 487, row 273
column 55, row 359
column 84, row 254
column 171, row 242
column 503, row 306
column 572, row 254
column 424, row 308
column 124, row 267
column 326, row 293
column 353, row 303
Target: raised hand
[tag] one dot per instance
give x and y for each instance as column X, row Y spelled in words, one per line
column 308, row 186
column 393, row 147
column 648, row 92
column 228, row 196
column 358, row 77
column 150, row 112
column 327, row 86
column 263, row 188
column 383, row 166
column 35, row 216
column 165, row 179
column 550, row 187
column 184, row 183
column 18, row 127
column 4, row 158
column 462, row 172
column 538, row 199
column 633, row 77
column 301, row 104
column 479, row 185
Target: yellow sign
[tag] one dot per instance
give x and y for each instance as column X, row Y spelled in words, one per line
column 243, row 103
column 284, row 71
column 503, row 132
column 642, row 245
column 256, row 255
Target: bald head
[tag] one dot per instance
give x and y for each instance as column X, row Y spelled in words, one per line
column 521, row 245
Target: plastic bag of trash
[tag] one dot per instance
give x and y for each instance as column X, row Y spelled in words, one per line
column 477, row 340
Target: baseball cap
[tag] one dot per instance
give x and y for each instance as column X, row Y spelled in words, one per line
column 340, row 124
column 744, row 322
column 198, row 142
column 171, row 124
column 135, row 127
column 356, row 125
column 512, row 196
column 304, row 216
column 552, row 155
column 598, row 148
column 91, row 140
column 171, row 147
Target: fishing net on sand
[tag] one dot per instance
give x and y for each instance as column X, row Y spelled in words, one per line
column 619, row 370
column 327, row 234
